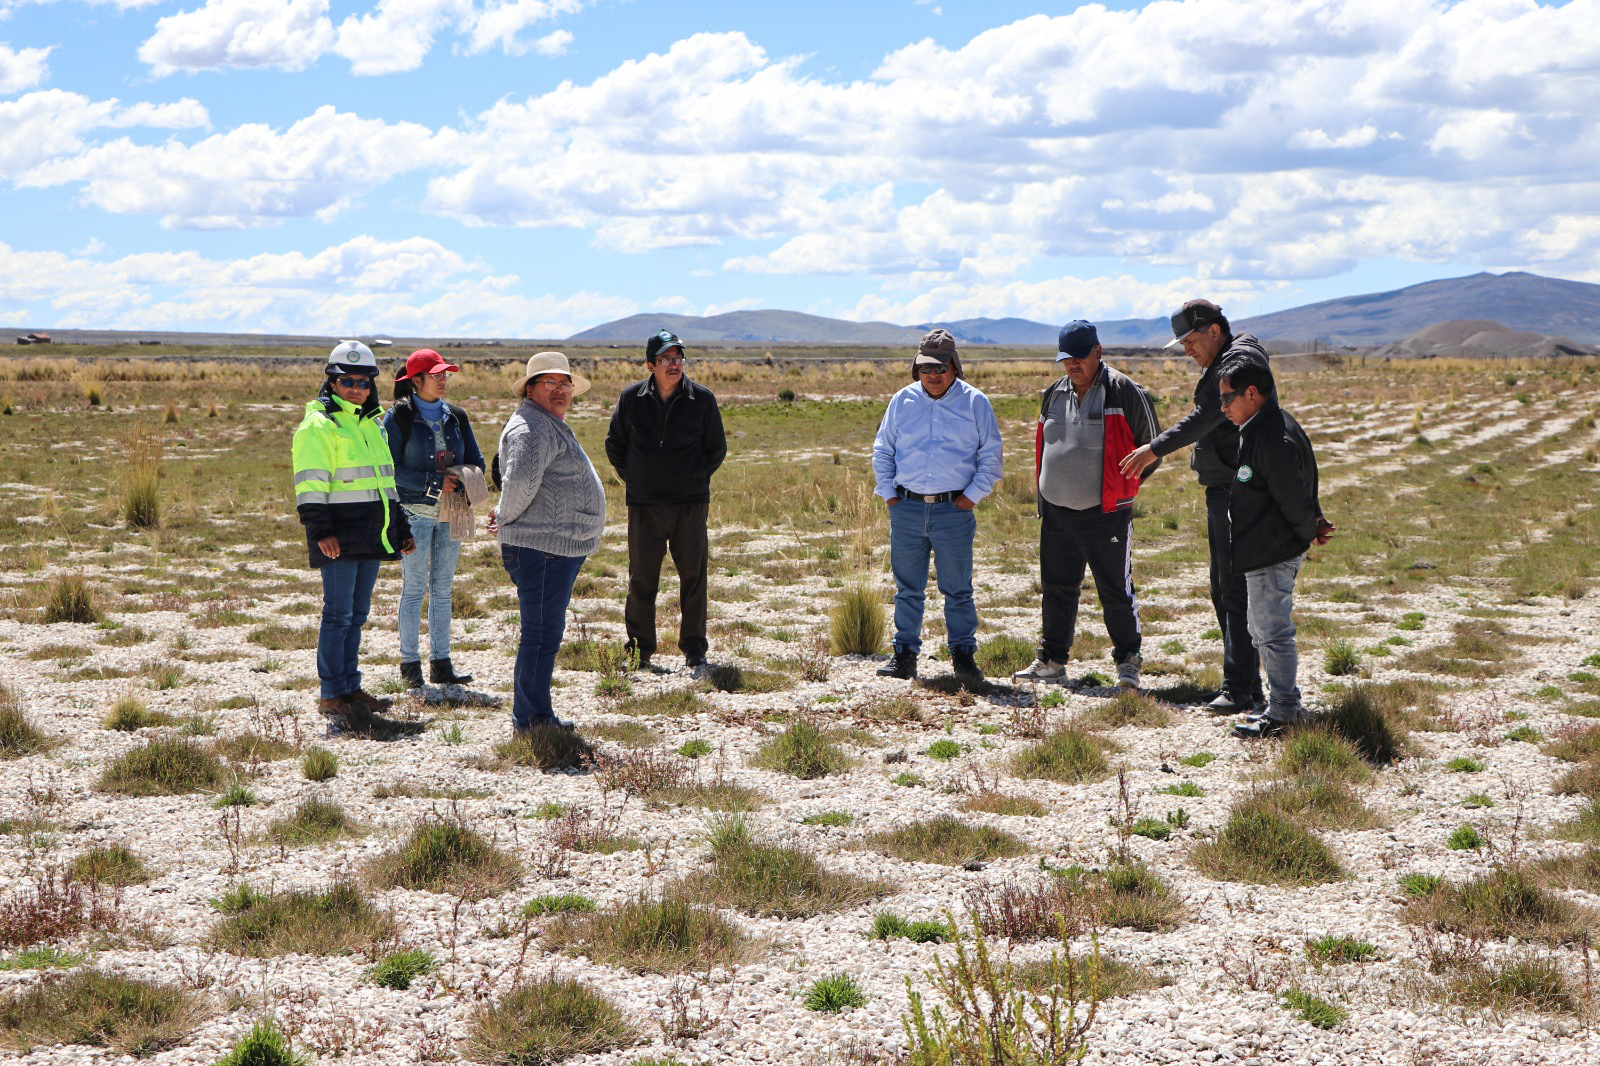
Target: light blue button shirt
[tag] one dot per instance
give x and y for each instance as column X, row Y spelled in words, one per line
column 929, row 446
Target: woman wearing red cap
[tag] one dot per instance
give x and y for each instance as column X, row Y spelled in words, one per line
column 428, row 436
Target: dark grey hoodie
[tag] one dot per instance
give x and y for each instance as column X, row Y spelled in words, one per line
column 1215, row 439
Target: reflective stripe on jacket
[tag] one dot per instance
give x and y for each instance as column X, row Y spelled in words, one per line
column 344, row 481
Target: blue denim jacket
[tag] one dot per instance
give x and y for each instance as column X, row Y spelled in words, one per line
column 416, row 465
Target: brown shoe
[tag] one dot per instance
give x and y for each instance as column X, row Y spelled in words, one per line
column 374, row 704
column 334, row 708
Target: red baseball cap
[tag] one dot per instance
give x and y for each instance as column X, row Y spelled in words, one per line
column 425, row 361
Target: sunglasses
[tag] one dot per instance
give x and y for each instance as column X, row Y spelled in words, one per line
column 353, row 383
column 1229, row 397
column 931, row 368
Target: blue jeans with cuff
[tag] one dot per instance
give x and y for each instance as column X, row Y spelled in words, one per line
column 544, row 587
column 1271, row 603
column 945, row 531
column 427, row 571
column 346, row 602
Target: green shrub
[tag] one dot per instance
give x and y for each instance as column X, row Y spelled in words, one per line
column 1465, row 838
column 694, row 748
column 236, row 795
column 804, row 750
column 444, row 855
column 263, row 1045
column 564, row 903
column 546, row 1020
column 944, row 750
column 1319, row 1012
column 856, row 622
column 1198, row 760
column 1153, row 828
column 945, row 840
column 398, row 969
column 165, row 766
column 1183, row 788
column 1418, row 886
column 319, row 764
column 833, row 993
column 1340, row 949
column 886, row 925
column 1461, row 764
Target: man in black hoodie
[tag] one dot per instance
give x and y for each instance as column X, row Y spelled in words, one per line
column 1203, row 330
column 665, row 441
column 1274, row 516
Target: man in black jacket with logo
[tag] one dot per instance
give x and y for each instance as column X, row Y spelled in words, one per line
column 1203, row 330
column 1274, row 516
column 665, row 441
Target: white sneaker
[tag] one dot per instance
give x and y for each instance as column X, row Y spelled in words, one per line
column 1042, row 670
column 1128, row 672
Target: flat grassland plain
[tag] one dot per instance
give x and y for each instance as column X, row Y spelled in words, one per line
column 763, row 866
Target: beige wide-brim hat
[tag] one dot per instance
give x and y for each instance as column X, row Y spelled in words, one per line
column 552, row 363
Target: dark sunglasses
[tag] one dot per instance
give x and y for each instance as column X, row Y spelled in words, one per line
column 1229, row 397
column 353, row 383
column 931, row 368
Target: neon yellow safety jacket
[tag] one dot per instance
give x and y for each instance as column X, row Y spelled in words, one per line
column 344, row 481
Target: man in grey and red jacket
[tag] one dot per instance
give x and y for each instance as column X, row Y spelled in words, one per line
column 1275, row 516
column 1090, row 419
column 1203, row 330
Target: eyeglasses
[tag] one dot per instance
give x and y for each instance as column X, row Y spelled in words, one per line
column 931, row 368
column 437, row 375
column 669, row 359
column 1229, row 397
column 554, row 383
column 353, row 383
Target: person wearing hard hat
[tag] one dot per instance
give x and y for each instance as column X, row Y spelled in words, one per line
column 345, row 494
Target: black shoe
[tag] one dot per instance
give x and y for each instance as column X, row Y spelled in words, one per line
column 1260, row 729
column 1227, row 703
column 411, row 674
column 902, row 666
column 965, row 668
column 440, row 672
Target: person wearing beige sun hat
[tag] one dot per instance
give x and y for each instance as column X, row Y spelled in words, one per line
column 551, row 514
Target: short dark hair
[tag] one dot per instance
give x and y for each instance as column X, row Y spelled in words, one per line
column 1240, row 372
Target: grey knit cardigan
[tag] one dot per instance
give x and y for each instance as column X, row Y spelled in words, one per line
column 551, row 498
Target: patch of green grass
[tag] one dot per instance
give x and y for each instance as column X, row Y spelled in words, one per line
column 1341, row 949
column 804, row 750
column 856, row 622
column 547, row 811
column 1198, row 760
column 666, row 934
column 1317, row 749
column 254, row 748
column 561, row 903
column 547, row 748
column 829, row 818
column 546, row 1020
column 398, row 969
column 1526, row 734
column 263, row 1045
column 907, row 779
column 164, row 766
column 1506, row 902
column 94, row 1009
column 1151, row 828
column 629, row 733
column 1341, row 658
column 730, row 677
column 1318, row 1012
column 129, row 714
column 945, row 840
column 1128, row 708
column 887, row 925
column 771, row 880
column 944, row 750
column 1069, row 756
column 1003, row 655
column 1465, row 838
column 445, row 855
column 236, row 795
column 1361, row 715
column 314, row 821
column 1011, row 806
column 1477, row 799
column 339, row 921
column 112, row 864
column 1461, row 764
column 278, row 637
column 672, row 703
column 18, row 736
column 1519, row 983
column 1260, row 846
column 70, row 600
column 833, row 993
column 1314, row 801
column 694, row 748
column 1418, row 886
column 1183, row 788
column 319, row 764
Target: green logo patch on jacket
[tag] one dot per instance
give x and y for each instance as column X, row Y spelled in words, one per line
column 1245, row 473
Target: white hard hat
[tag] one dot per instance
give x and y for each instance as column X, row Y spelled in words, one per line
column 351, row 357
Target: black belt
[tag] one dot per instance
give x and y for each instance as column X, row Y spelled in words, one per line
column 933, row 497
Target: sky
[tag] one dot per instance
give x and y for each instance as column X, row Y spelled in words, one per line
column 531, row 168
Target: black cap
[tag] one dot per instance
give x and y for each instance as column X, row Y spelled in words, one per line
column 1196, row 314
column 660, row 343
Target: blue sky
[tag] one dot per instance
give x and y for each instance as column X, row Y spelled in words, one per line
column 529, row 168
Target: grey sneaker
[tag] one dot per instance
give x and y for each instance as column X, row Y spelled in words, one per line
column 1042, row 670
column 1128, row 672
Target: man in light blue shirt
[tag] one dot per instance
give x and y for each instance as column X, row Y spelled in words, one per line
column 937, row 454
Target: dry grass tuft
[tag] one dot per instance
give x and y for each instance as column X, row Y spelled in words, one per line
column 946, row 840
column 165, row 766
column 546, row 1021
column 1261, row 846
column 339, row 921
column 769, row 880
column 665, row 935
column 96, row 1009
column 443, row 854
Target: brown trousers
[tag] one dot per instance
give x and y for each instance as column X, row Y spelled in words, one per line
column 653, row 531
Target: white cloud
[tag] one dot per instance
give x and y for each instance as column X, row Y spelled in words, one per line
column 22, row 68
column 397, row 35
column 364, row 285
column 552, row 44
column 289, row 34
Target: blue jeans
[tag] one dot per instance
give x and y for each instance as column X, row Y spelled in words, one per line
column 946, row 531
column 1271, row 601
column 428, row 570
column 346, row 601
column 544, row 586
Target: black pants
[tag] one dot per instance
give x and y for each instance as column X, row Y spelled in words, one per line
column 1241, row 666
column 652, row 532
column 1068, row 541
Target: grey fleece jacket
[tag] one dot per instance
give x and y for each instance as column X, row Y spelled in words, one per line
column 551, row 498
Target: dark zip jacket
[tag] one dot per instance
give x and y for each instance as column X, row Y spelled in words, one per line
column 1215, row 440
column 1273, row 506
column 416, row 464
column 665, row 453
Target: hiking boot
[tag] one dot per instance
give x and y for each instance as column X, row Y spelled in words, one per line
column 1042, row 670
column 411, row 674
column 440, row 672
column 902, row 666
column 373, row 704
column 1260, row 728
column 345, row 715
column 965, row 668
column 1128, row 671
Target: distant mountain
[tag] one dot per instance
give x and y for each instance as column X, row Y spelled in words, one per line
column 1517, row 301
column 1475, row 337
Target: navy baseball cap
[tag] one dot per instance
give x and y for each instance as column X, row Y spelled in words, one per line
column 1078, row 339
